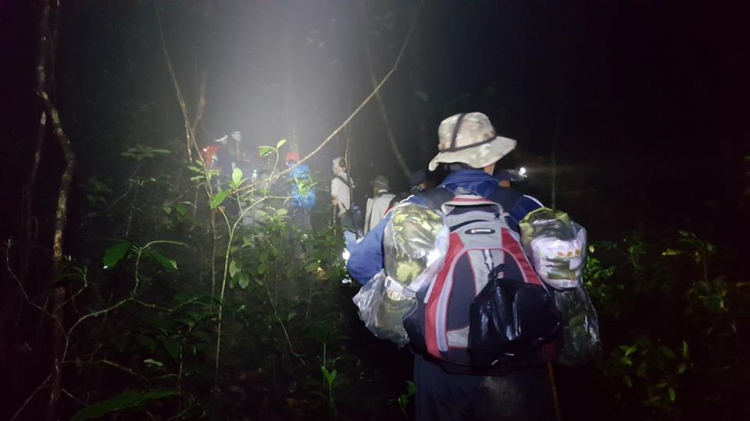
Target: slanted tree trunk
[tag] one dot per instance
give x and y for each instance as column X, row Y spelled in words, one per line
column 48, row 25
column 379, row 97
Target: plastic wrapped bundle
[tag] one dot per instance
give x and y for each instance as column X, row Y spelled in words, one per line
column 581, row 341
column 415, row 243
column 383, row 310
column 415, row 239
column 556, row 246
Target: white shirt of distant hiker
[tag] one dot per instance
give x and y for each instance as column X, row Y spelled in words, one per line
column 340, row 190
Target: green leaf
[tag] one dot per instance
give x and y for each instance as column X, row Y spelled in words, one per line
column 237, row 176
column 180, row 208
column 681, row 368
column 626, row 380
column 667, row 352
column 218, row 198
column 146, row 342
column 631, row 350
column 265, row 150
column 243, row 280
column 411, row 388
column 685, row 350
column 233, row 269
column 167, row 263
column 672, row 394
column 281, row 143
column 155, row 363
column 281, row 212
column 125, row 400
column 641, row 371
column 291, row 315
column 172, row 346
column 334, row 373
column 114, row 254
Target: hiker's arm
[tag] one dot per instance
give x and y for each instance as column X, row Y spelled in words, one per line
column 366, row 258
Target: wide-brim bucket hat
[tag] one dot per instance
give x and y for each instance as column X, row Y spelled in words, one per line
column 380, row 182
column 470, row 139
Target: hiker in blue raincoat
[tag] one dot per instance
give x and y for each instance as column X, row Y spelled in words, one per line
column 469, row 148
column 301, row 197
column 301, row 193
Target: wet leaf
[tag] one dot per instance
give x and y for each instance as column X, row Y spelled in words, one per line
column 685, row 350
column 165, row 262
column 243, row 280
column 218, row 198
column 125, row 400
column 114, row 254
column 154, row 363
column 281, row 143
column 626, row 380
column 172, row 346
column 641, row 371
column 233, row 268
column 265, row 150
column 237, row 176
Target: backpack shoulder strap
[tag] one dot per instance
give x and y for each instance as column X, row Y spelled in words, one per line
column 343, row 180
column 436, row 197
column 505, row 197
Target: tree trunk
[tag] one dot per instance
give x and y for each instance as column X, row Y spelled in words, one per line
column 48, row 25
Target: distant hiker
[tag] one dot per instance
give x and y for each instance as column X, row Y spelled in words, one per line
column 418, row 181
column 380, row 202
column 342, row 188
column 301, row 193
column 223, row 154
column 503, row 178
column 484, row 255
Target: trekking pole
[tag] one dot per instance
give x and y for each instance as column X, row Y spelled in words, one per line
column 555, row 398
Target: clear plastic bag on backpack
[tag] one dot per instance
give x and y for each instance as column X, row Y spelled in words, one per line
column 581, row 341
column 556, row 247
column 383, row 310
column 415, row 243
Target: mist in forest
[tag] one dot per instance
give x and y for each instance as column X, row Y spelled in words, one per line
column 157, row 265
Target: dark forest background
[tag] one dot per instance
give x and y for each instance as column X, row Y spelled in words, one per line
column 630, row 115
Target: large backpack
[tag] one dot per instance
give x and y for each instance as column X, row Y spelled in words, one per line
column 486, row 311
column 300, row 174
column 353, row 219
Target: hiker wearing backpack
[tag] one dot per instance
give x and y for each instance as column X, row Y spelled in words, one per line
column 475, row 359
column 301, row 193
column 380, row 203
column 342, row 192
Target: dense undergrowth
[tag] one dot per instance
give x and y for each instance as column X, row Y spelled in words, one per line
column 173, row 316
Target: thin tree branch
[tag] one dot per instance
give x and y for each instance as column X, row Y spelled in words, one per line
column 41, row 386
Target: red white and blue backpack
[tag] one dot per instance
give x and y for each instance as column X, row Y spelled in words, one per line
column 486, row 311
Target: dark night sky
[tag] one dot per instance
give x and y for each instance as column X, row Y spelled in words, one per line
column 655, row 93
